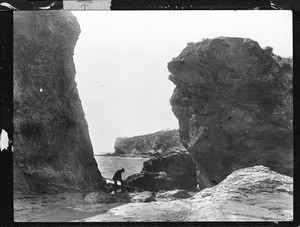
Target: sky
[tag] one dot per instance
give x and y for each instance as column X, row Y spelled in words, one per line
column 121, row 62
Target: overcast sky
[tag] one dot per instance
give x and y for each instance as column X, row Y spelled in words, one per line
column 121, row 62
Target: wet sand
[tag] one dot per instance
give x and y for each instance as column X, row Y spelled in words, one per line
column 63, row 207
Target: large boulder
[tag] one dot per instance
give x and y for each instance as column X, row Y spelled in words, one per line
column 151, row 181
column 250, row 194
column 233, row 101
column 174, row 170
column 178, row 165
column 52, row 147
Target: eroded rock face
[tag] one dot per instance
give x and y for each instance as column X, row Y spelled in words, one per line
column 233, row 101
column 52, row 148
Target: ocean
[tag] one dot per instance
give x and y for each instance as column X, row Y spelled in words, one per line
column 108, row 165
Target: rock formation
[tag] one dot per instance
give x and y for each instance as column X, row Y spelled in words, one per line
column 178, row 165
column 174, row 170
column 150, row 144
column 233, row 101
column 250, row 194
column 52, row 148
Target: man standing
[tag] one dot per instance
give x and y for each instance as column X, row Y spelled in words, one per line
column 118, row 177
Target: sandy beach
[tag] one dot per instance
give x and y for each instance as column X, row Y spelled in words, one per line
column 63, row 207
column 250, row 194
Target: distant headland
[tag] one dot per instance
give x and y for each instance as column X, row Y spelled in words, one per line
column 146, row 146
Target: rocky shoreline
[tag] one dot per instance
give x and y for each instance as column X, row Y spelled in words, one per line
column 249, row 194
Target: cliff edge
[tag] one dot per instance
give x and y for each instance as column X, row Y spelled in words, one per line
column 52, row 148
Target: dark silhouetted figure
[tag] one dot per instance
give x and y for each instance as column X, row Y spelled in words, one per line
column 118, row 177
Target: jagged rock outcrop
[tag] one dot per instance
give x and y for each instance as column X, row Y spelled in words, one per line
column 174, row 170
column 151, row 144
column 52, row 148
column 233, row 101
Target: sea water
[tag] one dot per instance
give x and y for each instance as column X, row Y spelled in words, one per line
column 108, row 165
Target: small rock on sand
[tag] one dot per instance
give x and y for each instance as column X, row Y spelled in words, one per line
column 178, row 194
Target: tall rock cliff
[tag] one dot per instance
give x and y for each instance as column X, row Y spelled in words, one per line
column 52, row 148
column 233, row 101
